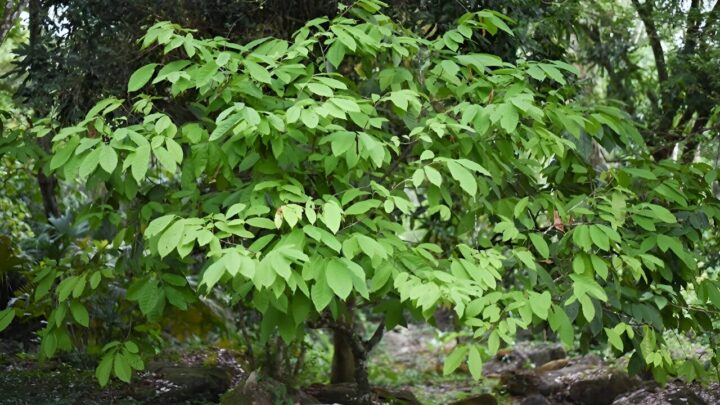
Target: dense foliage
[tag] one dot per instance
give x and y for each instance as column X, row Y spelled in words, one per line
column 358, row 168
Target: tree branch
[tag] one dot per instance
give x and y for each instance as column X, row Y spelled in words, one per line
column 693, row 27
column 376, row 337
column 645, row 12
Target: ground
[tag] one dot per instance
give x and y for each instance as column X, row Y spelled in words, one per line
column 407, row 359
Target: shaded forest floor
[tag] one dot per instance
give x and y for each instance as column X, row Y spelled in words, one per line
column 406, row 360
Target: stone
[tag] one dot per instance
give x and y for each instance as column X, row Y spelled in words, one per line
column 193, row 383
column 601, row 387
column 535, row 399
column 256, row 390
column 578, row 380
column 521, row 382
column 532, row 354
column 538, row 354
column 674, row 393
column 346, row 393
column 482, row 399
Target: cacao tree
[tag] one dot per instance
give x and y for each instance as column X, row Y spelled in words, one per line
column 359, row 166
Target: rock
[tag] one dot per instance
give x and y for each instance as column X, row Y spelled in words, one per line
column 504, row 361
column 535, row 399
column 346, row 393
column 521, row 355
column 193, row 383
column 521, row 382
column 601, row 387
column 540, row 353
column 558, row 380
column 257, row 390
column 482, row 399
column 672, row 394
column 578, row 380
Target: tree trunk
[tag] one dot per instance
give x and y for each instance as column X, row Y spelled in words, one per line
column 343, row 362
column 47, row 183
column 352, row 366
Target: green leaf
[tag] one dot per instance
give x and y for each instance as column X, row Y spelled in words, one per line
column 108, row 158
column 90, row 163
column 258, row 72
column 61, row 156
column 614, row 338
column 463, row 176
column 362, row 207
column 339, row 278
column 600, row 267
column 157, row 225
column 641, row 173
column 321, row 294
column 141, row 77
column 599, row 238
column 560, row 323
column 213, row 274
column 470, row 165
column 540, row 303
column 6, row 317
column 320, row 89
column 336, row 53
column 332, row 216
column 80, row 313
column 309, row 118
column 581, row 237
column 493, row 342
column 588, row 308
column 102, row 372
column 540, row 245
column 662, row 213
column 171, row 238
column 454, row 359
column 222, row 127
column 140, row 162
column 520, row 207
column 261, row 222
column 508, row 117
column 433, row 175
column 474, row 363
column 122, row 368
column 479, row 60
